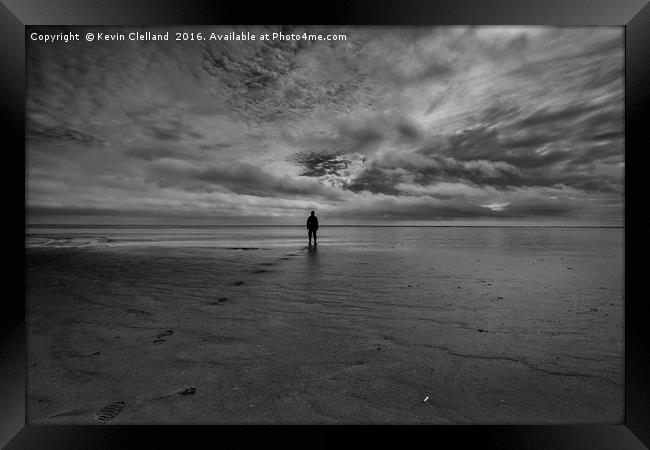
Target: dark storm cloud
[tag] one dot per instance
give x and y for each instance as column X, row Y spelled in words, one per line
column 432, row 208
column 237, row 177
column 321, row 164
column 385, row 176
column 605, row 154
column 540, row 207
column 172, row 131
column 545, row 147
column 365, row 134
column 498, row 112
column 504, row 173
column 165, row 128
column 522, row 149
column 377, row 179
column 37, row 131
column 84, row 211
column 424, row 210
column 407, row 131
column 546, row 117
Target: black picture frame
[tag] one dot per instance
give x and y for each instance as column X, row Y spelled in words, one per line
column 15, row 15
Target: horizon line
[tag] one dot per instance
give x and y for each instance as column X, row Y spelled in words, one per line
column 321, row 226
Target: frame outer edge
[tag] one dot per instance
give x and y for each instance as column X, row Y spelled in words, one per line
column 12, row 327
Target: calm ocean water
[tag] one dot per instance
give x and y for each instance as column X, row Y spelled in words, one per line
column 508, row 239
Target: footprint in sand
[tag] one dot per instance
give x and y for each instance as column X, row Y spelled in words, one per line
column 188, row 391
column 162, row 335
column 108, row 413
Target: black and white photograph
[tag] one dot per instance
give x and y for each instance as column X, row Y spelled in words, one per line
column 325, row 225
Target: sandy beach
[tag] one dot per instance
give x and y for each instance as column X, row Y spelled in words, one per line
column 441, row 326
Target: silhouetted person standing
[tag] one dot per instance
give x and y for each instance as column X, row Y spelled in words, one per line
column 312, row 226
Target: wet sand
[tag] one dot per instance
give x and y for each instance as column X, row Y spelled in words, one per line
column 144, row 335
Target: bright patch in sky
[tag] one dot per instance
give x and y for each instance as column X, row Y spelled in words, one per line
column 497, row 206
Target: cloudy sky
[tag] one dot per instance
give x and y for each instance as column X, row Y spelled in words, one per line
column 435, row 125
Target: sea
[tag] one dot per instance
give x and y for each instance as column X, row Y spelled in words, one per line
column 585, row 240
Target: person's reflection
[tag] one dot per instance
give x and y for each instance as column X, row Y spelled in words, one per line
column 312, row 258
